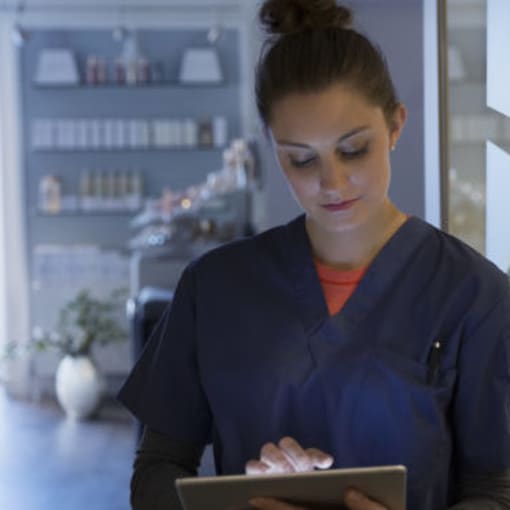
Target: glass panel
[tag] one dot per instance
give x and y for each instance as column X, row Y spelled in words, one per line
column 498, row 208
column 498, row 158
column 498, row 42
column 471, row 122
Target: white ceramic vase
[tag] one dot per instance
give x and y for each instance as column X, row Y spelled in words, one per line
column 79, row 386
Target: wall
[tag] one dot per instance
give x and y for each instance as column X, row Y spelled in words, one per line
column 82, row 14
column 397, row 26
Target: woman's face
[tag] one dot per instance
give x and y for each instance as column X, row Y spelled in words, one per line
column 333, row 147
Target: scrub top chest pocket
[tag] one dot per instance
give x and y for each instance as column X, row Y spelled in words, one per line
column 401, row 414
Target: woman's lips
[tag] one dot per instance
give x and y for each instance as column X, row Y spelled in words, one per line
column 340, row 206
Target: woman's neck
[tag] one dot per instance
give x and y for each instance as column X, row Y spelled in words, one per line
column 356, row 247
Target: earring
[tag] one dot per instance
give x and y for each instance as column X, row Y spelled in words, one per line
column 392, row 147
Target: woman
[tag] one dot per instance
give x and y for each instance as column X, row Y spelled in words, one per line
column 353, row 336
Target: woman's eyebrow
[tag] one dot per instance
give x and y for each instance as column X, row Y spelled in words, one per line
column 347, row 135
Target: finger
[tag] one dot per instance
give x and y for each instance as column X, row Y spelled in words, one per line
column 256, row 467
column 356, row 500
column 319, row 459
column 296, row 455
column 276, row 459
column 272, row 504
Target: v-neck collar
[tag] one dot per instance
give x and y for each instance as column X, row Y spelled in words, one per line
column 384, row 268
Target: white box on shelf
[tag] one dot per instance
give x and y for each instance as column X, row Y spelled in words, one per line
column 60, row 131
column 119, row 137
column 132, row 133
column 143, row 133
column 94, row 133
column 81, row 133
column 176, row 138
column 220, row 131
column 108, row 139
column 42, row 134
column 156, row 133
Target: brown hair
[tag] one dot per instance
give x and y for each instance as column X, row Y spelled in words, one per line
column 311, row 46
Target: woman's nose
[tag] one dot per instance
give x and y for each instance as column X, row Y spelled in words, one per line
column 333, row 176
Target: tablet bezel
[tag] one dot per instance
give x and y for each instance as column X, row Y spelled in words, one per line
column 313, row 489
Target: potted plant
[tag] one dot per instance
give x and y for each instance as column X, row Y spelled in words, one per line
column 84, row 322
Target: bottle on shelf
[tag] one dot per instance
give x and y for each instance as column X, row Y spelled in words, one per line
column 50, row 194
column 119, row 72
column 136, row 191
column 142, row 71
column 130, row 72
column 205, row 133
column 102, row 77
column 123, row 189
column 110, row 191
column 91, row 70
column 86, row 191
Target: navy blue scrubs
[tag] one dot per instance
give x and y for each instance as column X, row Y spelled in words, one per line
column 413, row 370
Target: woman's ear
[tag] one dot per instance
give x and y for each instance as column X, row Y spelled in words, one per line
column 397, row 123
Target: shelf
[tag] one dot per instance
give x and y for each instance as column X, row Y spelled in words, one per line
column 87, row 214
column 129, row 149
column 135, row 86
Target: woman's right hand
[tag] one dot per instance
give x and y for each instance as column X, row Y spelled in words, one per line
column 288, row 457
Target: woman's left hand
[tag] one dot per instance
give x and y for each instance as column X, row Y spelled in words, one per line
column 272, row 504
column 353, row 500
column 356, row 500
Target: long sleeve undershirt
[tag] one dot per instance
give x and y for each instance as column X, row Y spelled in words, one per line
column 160, row 461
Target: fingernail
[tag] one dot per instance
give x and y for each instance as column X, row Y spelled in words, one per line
column 326, row 462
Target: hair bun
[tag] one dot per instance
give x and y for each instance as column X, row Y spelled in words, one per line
column 280, row 17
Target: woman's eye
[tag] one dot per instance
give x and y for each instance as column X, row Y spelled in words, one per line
column 300, row 163
column 353, row 154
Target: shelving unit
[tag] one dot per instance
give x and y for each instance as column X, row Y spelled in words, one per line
column 177, row 166
column 103, row 232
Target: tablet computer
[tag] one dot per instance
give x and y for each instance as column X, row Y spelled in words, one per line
column 314, row 490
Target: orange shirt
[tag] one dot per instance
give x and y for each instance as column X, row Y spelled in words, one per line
column 338, row 285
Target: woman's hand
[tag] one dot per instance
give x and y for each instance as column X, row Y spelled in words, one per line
column 272, row 504
column 353, row 500
column 356, row 500
column 288, row 457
